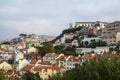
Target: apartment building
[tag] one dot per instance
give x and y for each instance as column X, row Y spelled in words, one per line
column 92, row 27
column 109, row 34
column 67, row 61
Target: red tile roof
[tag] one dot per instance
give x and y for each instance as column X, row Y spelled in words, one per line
column 52, row 54
column 107, row 54
column 56, row 68
column 46, row 63
column 33, row 61
column 87, row 56
column 96, row 56
column 61, row 58
column 27, row 68
column 37, row 69
column 74, row 59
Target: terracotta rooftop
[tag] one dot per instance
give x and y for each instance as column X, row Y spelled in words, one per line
column 33, row 61
column 96, row 56
column 107, row 54
column 52, row 54
column 55, row 67
column 87, row 56
column 46, row 63
column 27, row 68
column 72, row 58
column 37, row 69
column 61, row 58
column 56, row 55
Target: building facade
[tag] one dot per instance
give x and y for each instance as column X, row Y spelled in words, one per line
column 109, row 34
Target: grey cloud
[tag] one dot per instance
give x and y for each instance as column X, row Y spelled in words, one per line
column 52, row 16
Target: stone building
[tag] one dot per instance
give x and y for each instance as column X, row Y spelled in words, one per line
column 109, row 34
column 92, row 27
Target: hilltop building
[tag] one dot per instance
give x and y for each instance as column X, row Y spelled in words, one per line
column 110, row 33
column 92, row 27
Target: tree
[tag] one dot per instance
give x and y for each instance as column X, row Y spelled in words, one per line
column 93, row 44
column 31, row 76
column 81, row 44
column 102, row 43
column 58, row 48
column 69, row 50
column 37, row 76
column 23, row 35
column 68, row 40
column 48, row 48
column 94, row 69
column 86, row 43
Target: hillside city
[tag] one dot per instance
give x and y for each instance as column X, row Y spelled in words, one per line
column 39, row 57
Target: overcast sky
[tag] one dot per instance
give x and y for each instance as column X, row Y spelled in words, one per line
column 52, row 16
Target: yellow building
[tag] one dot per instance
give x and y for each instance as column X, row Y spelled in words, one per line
column 5, row 66
column 28, row 40
column 46, row 71
column 2, row 46
column 32, row 49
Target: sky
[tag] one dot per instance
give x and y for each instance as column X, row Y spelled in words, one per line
column 50, row 17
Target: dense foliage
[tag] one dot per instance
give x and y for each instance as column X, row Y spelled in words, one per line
column 23, row 35
column 92, row 44
column 72, row 30
column 47, row 48
column 67, row 50
column 95, row 69
column 31, row 76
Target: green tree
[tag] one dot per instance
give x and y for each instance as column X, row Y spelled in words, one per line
column 81, row 44
column 86, row 43
column 94, row 69
column 31, row 76
column 48, row 48
column 68, row 40
column 70, row 50
column 93, row 44
column 23, row 35
column 102, row 43
column 58, row 48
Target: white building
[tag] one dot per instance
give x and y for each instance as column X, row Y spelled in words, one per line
column 91, row 38
column 97, row 50
column 67, row 61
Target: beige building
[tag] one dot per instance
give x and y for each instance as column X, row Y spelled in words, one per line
column 87, row 24
column 110, row 33
column 92, row 27
column 118, row 36
column 5, row 66
column 32, row 49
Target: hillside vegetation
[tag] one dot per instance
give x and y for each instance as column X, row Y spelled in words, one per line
column 95, row 69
